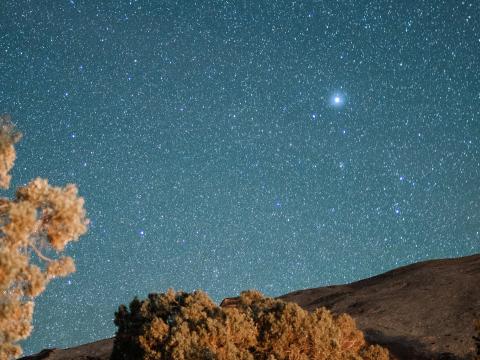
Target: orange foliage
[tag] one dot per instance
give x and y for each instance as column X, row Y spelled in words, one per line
column 8, row 137
column 40, row 217
column 182, row 326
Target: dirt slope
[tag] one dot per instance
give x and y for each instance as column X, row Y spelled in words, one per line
column 420, row 311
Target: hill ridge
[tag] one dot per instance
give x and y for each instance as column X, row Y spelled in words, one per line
column 420, row 311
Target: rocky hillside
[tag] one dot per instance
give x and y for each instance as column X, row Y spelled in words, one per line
column 421, row 311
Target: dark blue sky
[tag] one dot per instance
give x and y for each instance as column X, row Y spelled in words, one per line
column 207, row 142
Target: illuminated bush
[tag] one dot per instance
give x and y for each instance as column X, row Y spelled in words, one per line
column 184, row 326
column 40, row 217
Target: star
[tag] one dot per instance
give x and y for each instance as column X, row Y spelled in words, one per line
column 337, row 100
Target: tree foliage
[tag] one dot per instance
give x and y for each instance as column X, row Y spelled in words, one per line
column 41, row 218
column 189, row 326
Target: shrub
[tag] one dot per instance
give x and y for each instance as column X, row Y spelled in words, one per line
column 39, row 217
column 189, row 326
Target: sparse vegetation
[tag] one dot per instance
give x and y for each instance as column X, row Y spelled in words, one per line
column 189, row 326
column 40, row 218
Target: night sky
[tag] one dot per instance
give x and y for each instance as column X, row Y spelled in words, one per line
column 228, row 145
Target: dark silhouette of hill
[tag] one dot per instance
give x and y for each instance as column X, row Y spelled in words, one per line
column 420, row 311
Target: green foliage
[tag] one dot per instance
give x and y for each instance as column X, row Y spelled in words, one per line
column 189, row 326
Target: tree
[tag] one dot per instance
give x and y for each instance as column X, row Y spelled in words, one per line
column 189, row 326
column 41, row 218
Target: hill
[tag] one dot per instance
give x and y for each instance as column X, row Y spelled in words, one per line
column 420, row 311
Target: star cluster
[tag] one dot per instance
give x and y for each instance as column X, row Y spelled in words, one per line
column 228, row 145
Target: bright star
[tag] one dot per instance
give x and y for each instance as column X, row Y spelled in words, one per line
column 337, row 100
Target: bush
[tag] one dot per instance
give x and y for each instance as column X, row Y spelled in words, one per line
column 184, row 326
column 39, row 217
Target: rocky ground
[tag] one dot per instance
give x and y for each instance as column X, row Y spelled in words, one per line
column 421, row 311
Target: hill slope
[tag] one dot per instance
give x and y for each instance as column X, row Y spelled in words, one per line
column 419, row 311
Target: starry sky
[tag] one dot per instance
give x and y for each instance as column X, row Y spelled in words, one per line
column 228, row 145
